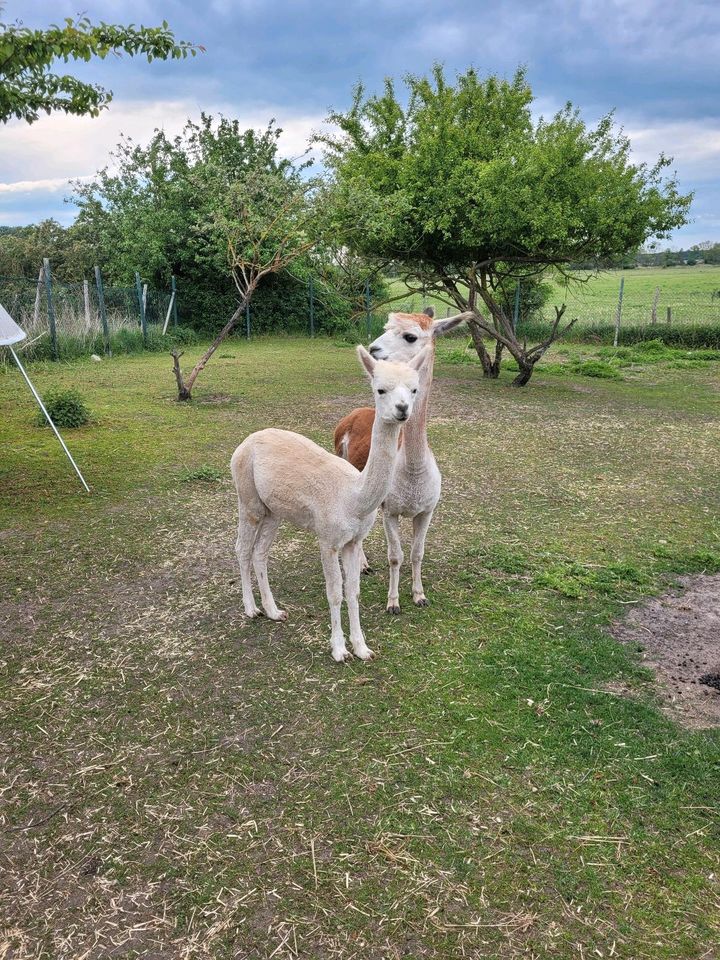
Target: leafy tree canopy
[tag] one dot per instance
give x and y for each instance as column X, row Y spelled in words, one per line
column 464, row 188
column 462, row 174
column 29, row 86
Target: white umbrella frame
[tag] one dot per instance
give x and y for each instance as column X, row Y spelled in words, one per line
column 11, row 333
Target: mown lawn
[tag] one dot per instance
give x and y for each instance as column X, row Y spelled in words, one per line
column 177, row 782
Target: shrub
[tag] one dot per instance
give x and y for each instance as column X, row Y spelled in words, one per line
column 651, row 346
column 66, row 408
column 596, row 368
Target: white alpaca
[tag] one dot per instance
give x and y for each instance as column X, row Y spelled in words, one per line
column 281, row 475
column 416, row 481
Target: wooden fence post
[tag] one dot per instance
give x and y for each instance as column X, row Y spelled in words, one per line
column 653, row 315
column 50, row 307
column 102, row 311
column 141, row 304
column 247, row 320
column 669, row 315
column 618, row 312
column 86, row 303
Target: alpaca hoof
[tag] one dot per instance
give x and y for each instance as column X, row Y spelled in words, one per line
column 393, row 608
column 364, row 653
column 252, row 613
column 278, row 616
column 422, row 601
column 366, row 571
column 340, row 655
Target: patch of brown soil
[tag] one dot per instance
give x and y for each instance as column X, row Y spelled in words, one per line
column 679, row 634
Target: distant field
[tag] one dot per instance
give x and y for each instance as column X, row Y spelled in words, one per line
column 686, row 290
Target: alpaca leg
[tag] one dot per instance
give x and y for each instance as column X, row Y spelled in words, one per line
column 395, row 559
column 248, row 526
column 351, row 558
column 263, row 542
column 364, row 562
column 420, row 528
column 333, row 588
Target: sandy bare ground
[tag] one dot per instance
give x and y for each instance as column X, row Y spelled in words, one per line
column 679, row 633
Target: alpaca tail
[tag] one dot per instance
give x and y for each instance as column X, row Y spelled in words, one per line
column 342, row 447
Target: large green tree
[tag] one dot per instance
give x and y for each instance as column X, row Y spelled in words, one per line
column 462, row 188
column 28, row 84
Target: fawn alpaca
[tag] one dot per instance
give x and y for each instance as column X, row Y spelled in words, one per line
column 281, row 475
column 416, row 481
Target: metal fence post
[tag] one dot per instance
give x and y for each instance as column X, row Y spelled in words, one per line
column 173, row 289
column 38, row 298
column 50, row 307
column 669, row 315
column 368, row 314
column 311, row 295
column 102, row 310
column 141, row 304
column 618, row 312
column 516, row 308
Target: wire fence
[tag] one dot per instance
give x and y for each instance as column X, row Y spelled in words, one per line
column 95, row 316
column 645, row 307
column 87, row 311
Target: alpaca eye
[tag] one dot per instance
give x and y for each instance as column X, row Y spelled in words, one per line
column 415, row 391
column 410, row 337
column 381, row 391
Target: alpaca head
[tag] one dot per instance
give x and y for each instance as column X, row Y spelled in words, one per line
column 395, row 385
column 406, row 334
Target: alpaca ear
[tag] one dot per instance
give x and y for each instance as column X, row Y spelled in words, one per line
column 429, row 312
column 442, row 326
column 421, row 358
column 366, row 360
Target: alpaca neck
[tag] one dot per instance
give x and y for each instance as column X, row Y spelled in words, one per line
column 415, row 443
column 376, row 478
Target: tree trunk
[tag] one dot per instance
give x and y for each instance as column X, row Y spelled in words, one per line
column 491, row 368
column 183, row 392
column 185, row 385
column 526, row 370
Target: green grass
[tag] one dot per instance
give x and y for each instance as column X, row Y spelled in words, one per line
column 180, row 782
column 695, row 315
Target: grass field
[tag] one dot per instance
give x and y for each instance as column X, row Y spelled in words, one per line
column 178, row 782
column 686, row 290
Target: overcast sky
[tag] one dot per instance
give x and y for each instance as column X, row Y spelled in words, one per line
column 656, row 64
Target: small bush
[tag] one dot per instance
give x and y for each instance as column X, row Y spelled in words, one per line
column 651, row 346
column 66, row 408
column 596, row 368
column 203, row 474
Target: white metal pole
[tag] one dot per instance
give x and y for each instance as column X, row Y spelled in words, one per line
column 169, row 311
column 47, row 416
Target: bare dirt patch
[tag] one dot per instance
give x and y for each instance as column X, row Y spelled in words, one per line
column 679, row 635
